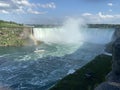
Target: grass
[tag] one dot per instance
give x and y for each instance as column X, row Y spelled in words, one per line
column 9, row 24
column 88, row 77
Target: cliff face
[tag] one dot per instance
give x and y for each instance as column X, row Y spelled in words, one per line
column 14, row 36
column 116, row 35
column 113, row 78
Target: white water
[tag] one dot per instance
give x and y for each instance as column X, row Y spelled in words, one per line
column 68, row 33
column 58, row 35
column 73, row 32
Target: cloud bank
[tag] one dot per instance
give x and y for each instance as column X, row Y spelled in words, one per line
column 101, row 18
column 24, row 6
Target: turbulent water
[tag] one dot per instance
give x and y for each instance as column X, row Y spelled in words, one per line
column 61, row 53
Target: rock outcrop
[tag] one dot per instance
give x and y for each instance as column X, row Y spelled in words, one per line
column 113, row 78
column 114, row 37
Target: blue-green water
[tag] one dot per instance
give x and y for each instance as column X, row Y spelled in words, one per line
column 23, row 68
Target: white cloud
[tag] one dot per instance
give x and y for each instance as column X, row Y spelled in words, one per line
column 48, row 5
column 20, row 10
column 104, row 16
column 22, row 2
column 4, row 12
column 35, row 12
column 24, row 6
column 4, row 5
column 86, row 14
column 110, row 4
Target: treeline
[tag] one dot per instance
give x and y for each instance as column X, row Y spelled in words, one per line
column 104, row 25
column 89, row 25
column 9, row 24
column 43, row 25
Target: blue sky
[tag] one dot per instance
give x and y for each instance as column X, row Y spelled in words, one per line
column 56, row 11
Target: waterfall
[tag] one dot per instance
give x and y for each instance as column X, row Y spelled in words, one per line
column 98, row 36
column 73, row 32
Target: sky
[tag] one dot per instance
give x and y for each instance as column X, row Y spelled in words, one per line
column 56, row 11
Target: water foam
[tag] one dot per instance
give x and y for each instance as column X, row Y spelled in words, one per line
column 68, row 33
column 73, row 31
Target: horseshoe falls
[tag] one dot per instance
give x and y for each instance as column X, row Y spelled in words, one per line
column 59, row 35
column 62, row 49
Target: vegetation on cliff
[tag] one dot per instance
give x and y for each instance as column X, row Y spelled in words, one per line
column 11, row 33
column 88, row 77
column 11, row 37
column 9, row 24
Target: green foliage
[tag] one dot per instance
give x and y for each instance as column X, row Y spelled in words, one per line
column 104, row 25
column 11, row 37
column 9, row 24
column 10, row 33
column 99, row 68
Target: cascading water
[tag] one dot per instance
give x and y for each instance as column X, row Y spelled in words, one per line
column 73, row 32
column 69, row 33
column 58, row 35
column 65, row 49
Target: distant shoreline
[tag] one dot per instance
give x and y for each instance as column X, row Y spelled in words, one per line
column 88, row 25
